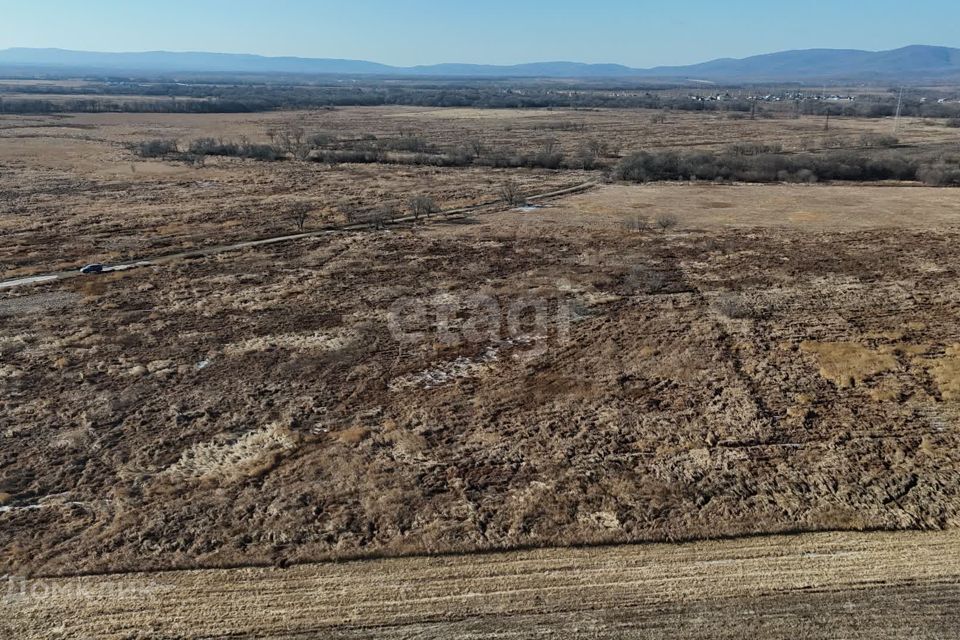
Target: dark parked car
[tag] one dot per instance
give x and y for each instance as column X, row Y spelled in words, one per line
column 92, row 268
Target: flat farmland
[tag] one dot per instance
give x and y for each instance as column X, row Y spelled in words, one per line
column 341, row 396
column 815, row 586
column 71, row 198
column 630, row 411
column 74, row 191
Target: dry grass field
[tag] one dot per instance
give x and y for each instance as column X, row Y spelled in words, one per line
column 656, row 363
column 257, row 407
column 74, row 191
column 819, row 586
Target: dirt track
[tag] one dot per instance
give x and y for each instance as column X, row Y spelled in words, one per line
column 880, row 585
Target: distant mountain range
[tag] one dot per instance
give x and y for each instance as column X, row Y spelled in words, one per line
column 915, row 63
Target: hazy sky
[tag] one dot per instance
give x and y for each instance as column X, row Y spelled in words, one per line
column 408, row 32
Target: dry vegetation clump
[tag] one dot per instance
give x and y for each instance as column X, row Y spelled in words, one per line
column 231, row 459
column 511, row 194
column 422, row 206
column 647, row 280
column 761, row 165
column 299, row 213
column 157, row 148
column 354, row 435
column 946, row 373
column 666, row 221
column 737, row 307
column 638, row 223
column 848, row 364
column 879, row 141
column 941, row 174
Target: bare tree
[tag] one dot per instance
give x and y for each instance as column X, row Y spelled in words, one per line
column 667, row 221
column 422, row 205
column 599, row 148
column 585, row 158
column 550, row 146
column 376, row 218
column 299, row 213
column 510, row 192
column 476, row 147
column 292, row 140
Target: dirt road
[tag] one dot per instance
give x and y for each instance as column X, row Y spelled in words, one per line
column 830, row 585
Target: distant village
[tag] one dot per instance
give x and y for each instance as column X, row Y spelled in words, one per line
column 771, row 97
column 791, row 96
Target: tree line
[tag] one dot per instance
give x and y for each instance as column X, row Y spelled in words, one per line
column 244, row 98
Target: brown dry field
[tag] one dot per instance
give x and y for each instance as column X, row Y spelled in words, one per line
column 787, row 359
column 254, row 407
column 814, row 586
column 72, row 192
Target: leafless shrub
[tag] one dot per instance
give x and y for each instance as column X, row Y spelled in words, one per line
column 410, row 143
column 376, row 218
column 645, row 280
column 476, row 147
column 878, row 141
column 422, row 205
column 291, row 139
column 385, row 213
column 939, row 175
column 299, row 213
column 658, row 118
column 194, row 160
column 599, row 148
column 549, row 156
column 666, row 221
column 511, row 194
column 638, row 223
column 155, row 148
column 321, row 139
column 754, row 148
column 589, row 154
column 242, row 149
column 798, row 177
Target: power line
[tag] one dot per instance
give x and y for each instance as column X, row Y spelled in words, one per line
column 896, row 123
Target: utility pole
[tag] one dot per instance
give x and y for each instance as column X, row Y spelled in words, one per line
column 896, row 122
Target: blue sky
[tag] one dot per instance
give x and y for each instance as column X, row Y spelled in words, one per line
column 407, row 32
